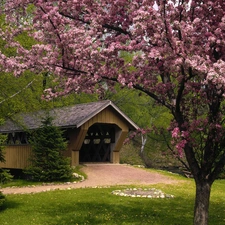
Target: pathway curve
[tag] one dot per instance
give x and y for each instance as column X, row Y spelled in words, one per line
column 101, row 175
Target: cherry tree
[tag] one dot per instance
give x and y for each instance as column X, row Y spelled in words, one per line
column 177, row 57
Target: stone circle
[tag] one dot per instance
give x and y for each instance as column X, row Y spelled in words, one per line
column 143, row 193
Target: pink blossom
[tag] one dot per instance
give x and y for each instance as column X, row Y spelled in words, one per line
column 173, row 51
column 180, row 147
column 176, row 132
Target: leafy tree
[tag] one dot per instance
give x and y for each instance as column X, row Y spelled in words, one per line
column 25, row 92
column 178, row 59
column 48, row 163
column 152, row 146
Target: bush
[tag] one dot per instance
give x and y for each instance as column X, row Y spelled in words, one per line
column 5, row 176
column 129, row 154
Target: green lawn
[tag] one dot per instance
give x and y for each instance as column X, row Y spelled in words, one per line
column 99, row 206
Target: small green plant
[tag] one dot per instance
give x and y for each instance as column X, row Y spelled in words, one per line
column 5, row 176
column 48, row 162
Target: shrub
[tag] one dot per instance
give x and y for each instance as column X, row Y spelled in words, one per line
column 5, row 176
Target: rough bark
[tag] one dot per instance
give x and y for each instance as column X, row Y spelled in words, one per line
column 201, row 211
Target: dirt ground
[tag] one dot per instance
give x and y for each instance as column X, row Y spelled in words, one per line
column 101, row 175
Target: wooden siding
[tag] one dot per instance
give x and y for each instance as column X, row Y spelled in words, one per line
column 76, row 139
column 108, row 115
column 120, row 140
column 16, row 156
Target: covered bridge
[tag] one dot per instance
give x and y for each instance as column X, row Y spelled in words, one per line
column 95, row 133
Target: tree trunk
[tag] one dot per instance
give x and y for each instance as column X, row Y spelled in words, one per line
column 143, row 142
column 201, row 212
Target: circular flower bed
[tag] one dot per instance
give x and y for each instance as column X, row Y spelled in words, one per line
column 144, row 193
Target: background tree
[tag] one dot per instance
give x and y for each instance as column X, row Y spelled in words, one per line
column 146, row 113
column 178, row 54
column 48, row 162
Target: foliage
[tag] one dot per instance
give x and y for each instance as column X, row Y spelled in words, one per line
column 5, row 176
column 21, row 182
column 48, row 163
column 137, row 106
column 77, row 170
column 130, row 154
column 177, row 58
column 24, row 93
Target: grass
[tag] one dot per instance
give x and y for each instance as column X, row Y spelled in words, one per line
column 99, row 206
column 19, row 183
column 23, row 182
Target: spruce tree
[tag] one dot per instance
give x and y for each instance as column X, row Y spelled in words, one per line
column 48, row 162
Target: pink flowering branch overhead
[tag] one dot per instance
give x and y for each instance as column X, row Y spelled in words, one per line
column 176, row 55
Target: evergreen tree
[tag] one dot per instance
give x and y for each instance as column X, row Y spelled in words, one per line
column 48, row 163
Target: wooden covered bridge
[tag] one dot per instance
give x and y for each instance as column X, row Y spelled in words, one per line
column 95, row 133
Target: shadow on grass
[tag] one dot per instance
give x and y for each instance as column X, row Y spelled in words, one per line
column 122, row 211
column 10, row 204
column 99, row 206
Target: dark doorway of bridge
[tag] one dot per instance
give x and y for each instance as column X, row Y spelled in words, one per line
column 97, row 144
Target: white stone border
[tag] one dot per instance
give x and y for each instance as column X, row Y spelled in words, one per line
column 142, row 193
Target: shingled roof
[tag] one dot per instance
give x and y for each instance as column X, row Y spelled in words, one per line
column 65, row 117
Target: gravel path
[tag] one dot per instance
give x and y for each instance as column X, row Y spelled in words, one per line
column 101, row 175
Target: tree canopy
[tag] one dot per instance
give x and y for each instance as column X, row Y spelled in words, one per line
column 177, row 50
